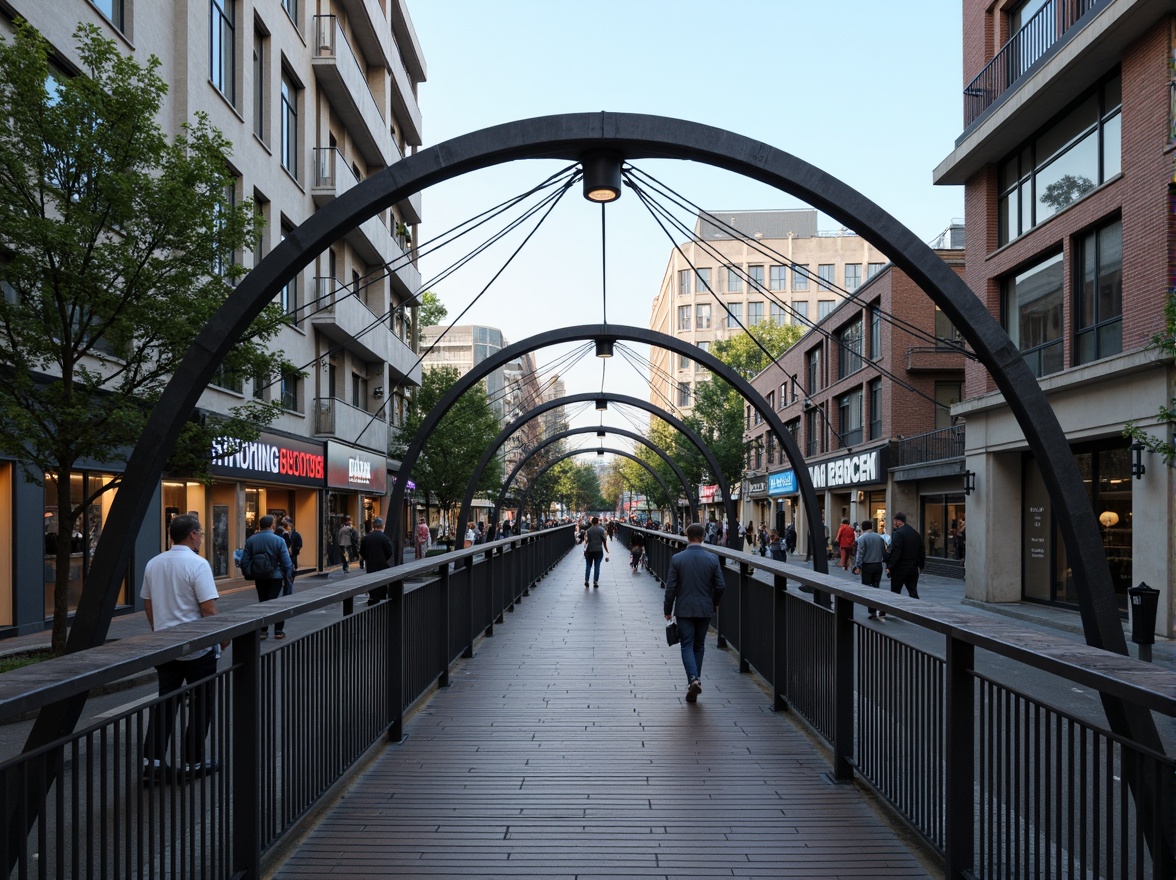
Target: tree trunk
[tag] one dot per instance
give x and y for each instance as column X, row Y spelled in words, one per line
column 65, row 523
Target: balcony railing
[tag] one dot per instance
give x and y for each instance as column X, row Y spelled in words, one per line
column 937, row 445
column 1024, row 49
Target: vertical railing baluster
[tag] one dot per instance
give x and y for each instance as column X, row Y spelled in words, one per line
column 745, row 572
column 960, row 755
column 247, row 755
column 443, row 623
column 394, row 633
column 779, row 642
column 842, row 689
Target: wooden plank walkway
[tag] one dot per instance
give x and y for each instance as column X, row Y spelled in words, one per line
column 565, row 749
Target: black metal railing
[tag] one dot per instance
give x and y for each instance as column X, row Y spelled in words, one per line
column 1000, row 782
column 1024, row 49
column 937, row 445
column 285, row 727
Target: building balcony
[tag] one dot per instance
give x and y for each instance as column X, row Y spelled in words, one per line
column 937, row 453
column 930, row 359
column 342, row 79
column 342, row 317
column 349, row 424
column 1061, row 52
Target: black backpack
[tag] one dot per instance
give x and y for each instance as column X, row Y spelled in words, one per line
column 258, row 564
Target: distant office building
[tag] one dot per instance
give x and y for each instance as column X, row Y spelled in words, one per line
column 744, row 267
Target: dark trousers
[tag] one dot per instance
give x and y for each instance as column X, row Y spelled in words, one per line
column 270, row 588
column 871, row 577
column 173, row 675
column 905, row 577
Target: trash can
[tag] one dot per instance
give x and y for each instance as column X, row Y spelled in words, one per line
column 1145, row 602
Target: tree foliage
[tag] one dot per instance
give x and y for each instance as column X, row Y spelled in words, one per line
column 453, row 449
column 1165, row 342
column 744, row 354
column 431, row 312
column 116, row 246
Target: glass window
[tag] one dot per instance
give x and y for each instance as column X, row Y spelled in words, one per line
column 942, row 517
column 755, row 313
column 824, row 307
column 734, row 314
column 873, row 269
column 945, row 331
column 291, row 7
column 259, row 85
column 115, row 10
column 683, row 394
column 288, row 296
column 849, row 350
column 223, row 262
column 1031, row 309
column 1098, row 294
column 825, row 275
column 800, row 276
column 702, row 280
column 813, row 371
column 683, row 282
column 875, row 332
column 778, row 314
column 83, row 534
column 849, row 417
column 734, row 280
column 812, row 425
column 702, row 316
column 683, row 362
column 946, row 394
column 800, row 312
column 223, row 62
column 875, row 409
column 853, row 276
column 289, row 125
column 683, row 317
column 291, row 392
column 757, row 277
column 778, row 278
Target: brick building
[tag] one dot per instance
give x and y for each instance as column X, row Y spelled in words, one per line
column 1067, row 157
column 867, row 393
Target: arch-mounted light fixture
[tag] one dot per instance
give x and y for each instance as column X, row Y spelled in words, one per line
column 600, row 433
column 602, row 403
column 604, row 348
column 602, row 175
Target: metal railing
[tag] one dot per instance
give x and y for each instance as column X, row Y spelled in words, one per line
column 284, row 726
column 937, row 445
column 1024, row 49
column 999, row 781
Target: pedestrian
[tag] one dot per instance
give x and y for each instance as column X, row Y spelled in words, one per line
column 712, row 530
column 844, row 541
column 377, row 552
column 491, row 530
column 595, row 547
column 776, row 547
column 765, row 539
column 470, row 536
column 749, row 536
column 422, row 539
column 694, row 587
column 266, row 561
column 790, row 538
column 178, row 587
column 869, row 561
column 480, row 534
column 636, row 549
column 346, row 538
column 293, row 540
column 961, row 541
column 907, row 557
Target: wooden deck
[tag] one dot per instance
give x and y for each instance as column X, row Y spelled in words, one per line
column 565, row 749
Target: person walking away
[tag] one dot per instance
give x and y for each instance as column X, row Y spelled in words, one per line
column 636, row 548
column 694, row 588
column 266, row 560
column 845, row 539
column 293, row 540
column 776, row 547
column 422, row 540
column 907, row 557
column 178, row 587
column 377, row 552
column 764, row 539
column 749, row 536
column 595, row 547
column 790, row 538
column 346, row 537
column 869, row 562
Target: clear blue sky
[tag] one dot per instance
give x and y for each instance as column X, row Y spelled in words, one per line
column 868, row 91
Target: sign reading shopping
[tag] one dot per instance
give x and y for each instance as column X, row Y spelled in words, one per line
column 853, row 470
column 269, row 459
column 360, row 469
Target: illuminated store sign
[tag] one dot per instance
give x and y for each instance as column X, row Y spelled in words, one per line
column 270, row 459
column 783, row 483
column 359, row 469
column 853, row 470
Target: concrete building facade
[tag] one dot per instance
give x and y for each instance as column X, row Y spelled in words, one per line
column 314, row 97
column 1067, row 157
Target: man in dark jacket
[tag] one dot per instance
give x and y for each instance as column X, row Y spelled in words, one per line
column 693, row 590
column 377, row 553
column 907, row 557
column 266, row 560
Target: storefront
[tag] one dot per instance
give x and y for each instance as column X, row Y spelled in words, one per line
column 759, row 506
column 850, row 487
column 274, row 475
column 357, row 486
column 783, row 489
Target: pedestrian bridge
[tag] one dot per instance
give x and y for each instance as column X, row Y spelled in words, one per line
column 494, row 718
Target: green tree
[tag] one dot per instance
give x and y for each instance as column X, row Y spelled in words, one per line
column 431, row 312
column 116, row 246
column 751, row 352
column 453, row 449
column 1165, row 342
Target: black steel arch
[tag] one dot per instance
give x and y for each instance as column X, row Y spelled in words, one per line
column 621, row 432
column 668, row 417
column 613, row 333
column 574, row 452
column 633, row 136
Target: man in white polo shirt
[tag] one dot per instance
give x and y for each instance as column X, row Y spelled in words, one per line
column 178, row 588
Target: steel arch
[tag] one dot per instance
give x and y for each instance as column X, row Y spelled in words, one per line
column 669, row 418
column 622, row 432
